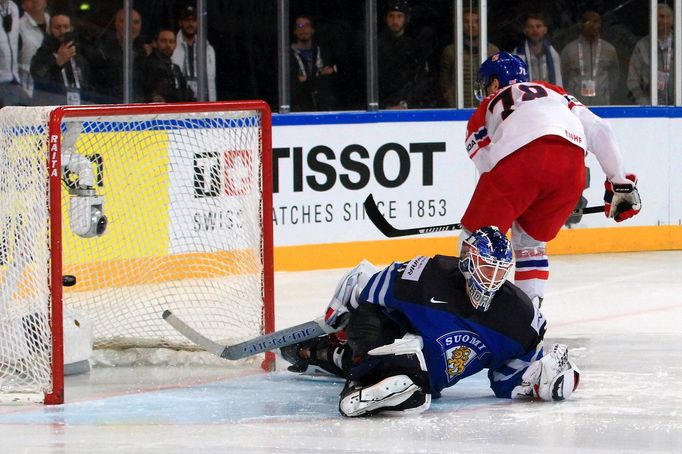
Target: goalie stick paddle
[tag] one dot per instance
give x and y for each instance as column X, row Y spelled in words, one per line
column 388, row 230
column 260, row 344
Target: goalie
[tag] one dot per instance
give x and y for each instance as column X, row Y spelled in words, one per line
column 417, row 327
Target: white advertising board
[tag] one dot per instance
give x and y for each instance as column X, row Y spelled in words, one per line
column 422, row 176
column 416, row 171
column 207, row 189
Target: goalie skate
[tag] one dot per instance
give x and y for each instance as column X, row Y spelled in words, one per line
column 397, row 393
column 320, row 356
column 399, row 381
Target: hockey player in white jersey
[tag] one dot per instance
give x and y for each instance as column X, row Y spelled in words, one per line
column 417, row 327
column 528, row 141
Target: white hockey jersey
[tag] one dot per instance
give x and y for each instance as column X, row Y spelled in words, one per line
column 520, row 113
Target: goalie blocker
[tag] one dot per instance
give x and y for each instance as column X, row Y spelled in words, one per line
column 418, row 327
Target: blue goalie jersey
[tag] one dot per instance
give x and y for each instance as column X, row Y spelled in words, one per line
column 427, row 296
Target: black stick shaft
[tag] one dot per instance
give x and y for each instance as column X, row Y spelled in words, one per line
column 390, row 231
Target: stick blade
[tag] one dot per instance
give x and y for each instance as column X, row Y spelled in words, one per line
column 377, row 218
column 191, row 334
column 259, row 344
column 390, row 231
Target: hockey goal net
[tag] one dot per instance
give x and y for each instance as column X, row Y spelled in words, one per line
column 149, row 207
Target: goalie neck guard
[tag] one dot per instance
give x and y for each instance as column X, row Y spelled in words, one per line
column 485, row 261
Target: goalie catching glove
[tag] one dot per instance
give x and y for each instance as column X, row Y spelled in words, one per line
column 345, row 298
column 554, row 377
column 622, row 199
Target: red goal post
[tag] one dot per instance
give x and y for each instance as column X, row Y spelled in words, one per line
column 157, row 206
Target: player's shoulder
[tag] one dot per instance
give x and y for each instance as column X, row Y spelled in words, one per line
column 446, row 263
column 477, row 119
column 515, row 294
column 423, row 270
column 511, row 303
column 442, row 263
column 444, row 272
column 556, row 88
column 511, row 314
column 483, row 106
column 559, row 93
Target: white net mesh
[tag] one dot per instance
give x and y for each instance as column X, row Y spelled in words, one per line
column 182, row 196
column 25, row 351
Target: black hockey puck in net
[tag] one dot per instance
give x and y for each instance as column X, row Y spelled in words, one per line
column 68, row 280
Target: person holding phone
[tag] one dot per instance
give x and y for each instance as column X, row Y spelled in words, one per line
column 61, row 74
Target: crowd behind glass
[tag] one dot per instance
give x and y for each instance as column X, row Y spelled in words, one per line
column 72, row 52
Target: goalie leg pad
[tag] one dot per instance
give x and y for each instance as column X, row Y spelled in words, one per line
column 393, row 378
column 396, row 393
column 554, row 377
column 345, row 299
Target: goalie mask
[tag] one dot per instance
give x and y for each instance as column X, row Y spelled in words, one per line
column 505, row 67
column 485, row 261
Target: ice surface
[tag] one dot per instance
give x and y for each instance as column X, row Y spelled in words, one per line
column 619, row 313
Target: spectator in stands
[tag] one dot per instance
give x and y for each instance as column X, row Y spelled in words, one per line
column 32, row 30
column 163, row 79
column 60, row 73
column 106, row 59
column 403, row 74
column 639, row 79
column 542, row 59
column 185, row 54
column 313, row 70
column 471, row 62
column 590, row 64
column 11, row 91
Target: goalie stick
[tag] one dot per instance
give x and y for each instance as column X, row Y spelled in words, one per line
column 260, row 344
column 388, row 230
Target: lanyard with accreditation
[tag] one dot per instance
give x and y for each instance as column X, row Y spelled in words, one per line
column 588, row 85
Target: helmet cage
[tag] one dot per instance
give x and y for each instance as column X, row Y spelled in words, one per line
column 480, row 86
column 485, row 266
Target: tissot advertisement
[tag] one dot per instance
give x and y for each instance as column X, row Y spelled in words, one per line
column 323, row 173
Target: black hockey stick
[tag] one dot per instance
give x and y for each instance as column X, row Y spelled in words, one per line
column 388, row 230
column 260, row 344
